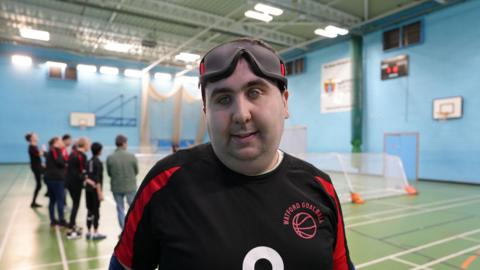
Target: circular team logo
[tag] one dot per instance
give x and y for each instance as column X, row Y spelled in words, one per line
column 304, row 225
column 304, row 218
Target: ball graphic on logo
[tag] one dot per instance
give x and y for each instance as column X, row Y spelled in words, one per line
column 304, row 225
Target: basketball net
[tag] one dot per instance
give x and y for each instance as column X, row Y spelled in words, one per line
column 82, row 124
column 443, row 116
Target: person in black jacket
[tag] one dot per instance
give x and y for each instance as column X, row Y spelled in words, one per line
column 93, row 192
column 76, row 176
column 55, row 180
column 35, row 165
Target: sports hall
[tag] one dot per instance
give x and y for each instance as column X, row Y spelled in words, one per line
column 382, row 98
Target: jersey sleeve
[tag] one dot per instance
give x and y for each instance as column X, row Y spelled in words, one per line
column 138, row 248
column 341, row 256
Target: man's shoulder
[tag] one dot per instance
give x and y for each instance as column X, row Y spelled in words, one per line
column 300, row 165
column 183, row 158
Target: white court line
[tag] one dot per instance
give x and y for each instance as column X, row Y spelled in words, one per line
column 411, row 214
column 471, row 239
column 62, row 249
column 110, row 200
column 446, row 258
column 422, row 206
column 60, row 263
column 408, row 263
column 8, row 231
column 24, row 186
column 431, row 244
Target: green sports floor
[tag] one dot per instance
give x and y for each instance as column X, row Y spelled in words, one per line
column 439, row 229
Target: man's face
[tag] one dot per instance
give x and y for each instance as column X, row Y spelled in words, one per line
column 67, row 142
column 245, row 116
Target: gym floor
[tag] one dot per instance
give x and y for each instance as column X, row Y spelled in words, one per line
column 438, row 229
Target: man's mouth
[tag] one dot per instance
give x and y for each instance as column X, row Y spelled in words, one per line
column 244, row 135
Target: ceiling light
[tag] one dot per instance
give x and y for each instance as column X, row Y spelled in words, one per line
column 108, row 70
column 336, row 30
column 268, row 9
column 56, row 64
column 163, row 76
column 132, row 73
column 258, row 16
column 35, row 34
column 187, row 57
column 86, row 68
column 323, row 32
column 117, row 47
column 21, row 60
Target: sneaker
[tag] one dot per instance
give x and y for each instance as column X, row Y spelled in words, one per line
column 63, row 223
column 35, row 205
column 73, row 235
column 98, row 236
column 88, row 236
column 53, row 223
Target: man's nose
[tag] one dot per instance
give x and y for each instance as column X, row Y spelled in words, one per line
column 241, row 111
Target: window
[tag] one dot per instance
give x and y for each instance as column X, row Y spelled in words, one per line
column 391, row 39
column 403, row 36
column 296, row 66
column 411, row 34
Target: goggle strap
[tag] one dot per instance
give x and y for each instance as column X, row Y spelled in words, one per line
column 202, row 68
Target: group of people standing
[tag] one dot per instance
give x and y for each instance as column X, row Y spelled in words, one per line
column 71, row 171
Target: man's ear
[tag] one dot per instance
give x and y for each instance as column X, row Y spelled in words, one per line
column 285, row 102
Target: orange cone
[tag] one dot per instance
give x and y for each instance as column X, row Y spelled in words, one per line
column 356, row 199
column 411, row 190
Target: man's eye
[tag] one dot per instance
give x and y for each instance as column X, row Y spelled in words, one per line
column 224, row 100
column 254, row 93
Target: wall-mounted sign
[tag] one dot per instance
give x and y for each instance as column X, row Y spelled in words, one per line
column 395, row 67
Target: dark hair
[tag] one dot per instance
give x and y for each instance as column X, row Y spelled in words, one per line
column 28, row 136
column 66, row 137
column 96, row 148
column 252, row 41
column 120, row 140
column 52, row 141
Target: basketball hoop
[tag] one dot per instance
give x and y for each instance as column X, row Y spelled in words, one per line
column 82, row 124
column 443, row 116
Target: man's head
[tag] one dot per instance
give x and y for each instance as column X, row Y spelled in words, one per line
column 67, row 140
column 83, row 144
column 121, row 141
column 96, row 148
column 220, row 62
column 245, row 109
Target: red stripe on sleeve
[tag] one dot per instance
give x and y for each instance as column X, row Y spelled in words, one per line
column 340, row 252
column 124, row 250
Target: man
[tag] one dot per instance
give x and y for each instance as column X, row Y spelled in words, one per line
column 237, row 202
column 122, row 167
column 76, row 179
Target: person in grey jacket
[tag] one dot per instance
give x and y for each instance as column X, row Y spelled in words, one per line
column 122, row 167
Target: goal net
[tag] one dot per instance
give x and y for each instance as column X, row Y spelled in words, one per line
column 359, row 176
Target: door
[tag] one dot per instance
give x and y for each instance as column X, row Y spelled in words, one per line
column 405, row 146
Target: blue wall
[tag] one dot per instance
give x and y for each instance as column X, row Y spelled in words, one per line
column 326, row 132
column 444, row 65
column 30, row 101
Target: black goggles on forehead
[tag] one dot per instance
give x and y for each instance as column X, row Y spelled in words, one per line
column 221, row 61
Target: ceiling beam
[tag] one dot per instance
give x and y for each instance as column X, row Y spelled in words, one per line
column 316, row 11
column 169, row 12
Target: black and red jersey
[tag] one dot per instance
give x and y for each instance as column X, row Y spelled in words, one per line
column 192, row 212
column 76, row 170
